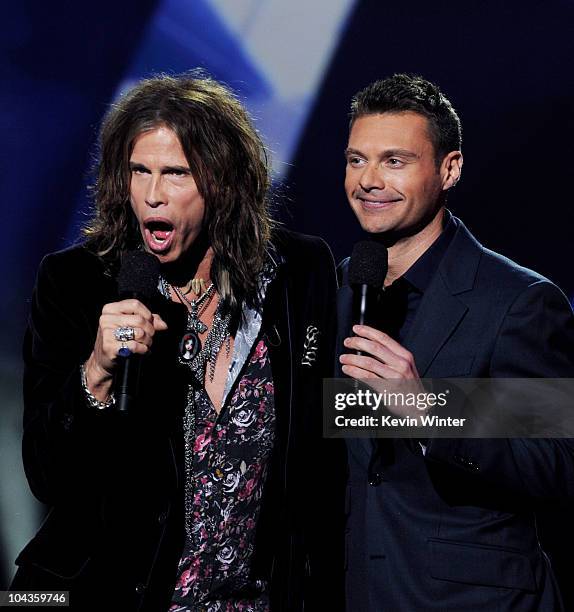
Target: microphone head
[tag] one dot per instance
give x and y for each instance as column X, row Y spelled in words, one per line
column 369, row 264
column 139, row 275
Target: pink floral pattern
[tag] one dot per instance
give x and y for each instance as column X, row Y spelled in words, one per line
column 232, row 455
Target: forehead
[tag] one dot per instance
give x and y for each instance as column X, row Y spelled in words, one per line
column 158, row 141
column 406, row 130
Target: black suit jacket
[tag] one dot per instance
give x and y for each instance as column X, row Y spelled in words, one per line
column 454, row 529
column 114, row 483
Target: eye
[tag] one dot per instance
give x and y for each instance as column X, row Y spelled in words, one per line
column 177, row 172
column 139, row 170
column 393, row 162
column 354, row 161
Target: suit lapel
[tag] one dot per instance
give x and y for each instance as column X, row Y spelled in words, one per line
column 438, row 315
column 441, row 310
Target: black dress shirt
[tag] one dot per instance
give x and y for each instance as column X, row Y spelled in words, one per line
column 400, row 300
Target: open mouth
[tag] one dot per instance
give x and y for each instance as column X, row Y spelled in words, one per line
column 158, row 234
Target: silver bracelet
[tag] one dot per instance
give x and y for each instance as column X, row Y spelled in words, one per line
column 94, row 402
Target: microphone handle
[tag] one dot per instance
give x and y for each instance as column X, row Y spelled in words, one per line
column 365, row 307
column 127, row 382
column 362, row 297
column 127, row 377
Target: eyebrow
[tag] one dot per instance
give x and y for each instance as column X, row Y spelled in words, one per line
column 385, row 154
column 164, row 170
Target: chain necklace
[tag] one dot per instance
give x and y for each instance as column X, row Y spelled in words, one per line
column 196, row 358
column 191, row 352
column 190, row 344
column 218, row 334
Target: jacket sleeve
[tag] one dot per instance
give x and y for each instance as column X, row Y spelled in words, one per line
column 63, row 438
column 535, row 340
column 325, row 459
column 328, row 305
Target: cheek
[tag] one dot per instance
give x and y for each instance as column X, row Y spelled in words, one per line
column 413, row 188
column 199, row 207
column 133, row 205
column 350, row 183
column 136, row 196
column 430, row 189
column 193, row 215
column 402, row 183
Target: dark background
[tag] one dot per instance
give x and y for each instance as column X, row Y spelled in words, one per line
column 506, row 66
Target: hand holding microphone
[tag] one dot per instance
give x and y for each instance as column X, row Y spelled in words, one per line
column 375, row 355
column 130, row 319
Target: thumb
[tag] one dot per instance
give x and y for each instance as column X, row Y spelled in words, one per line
column 158, row 323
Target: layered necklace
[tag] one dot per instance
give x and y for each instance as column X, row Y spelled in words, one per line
column 196, row 358
column 191, row 352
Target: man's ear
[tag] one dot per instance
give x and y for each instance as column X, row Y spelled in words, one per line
column 451, row 169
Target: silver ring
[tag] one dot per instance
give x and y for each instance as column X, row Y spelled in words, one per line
column 124, row 334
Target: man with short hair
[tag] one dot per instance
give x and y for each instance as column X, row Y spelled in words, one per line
column 444, row 524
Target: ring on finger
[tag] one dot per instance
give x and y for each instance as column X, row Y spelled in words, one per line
column 124, row 333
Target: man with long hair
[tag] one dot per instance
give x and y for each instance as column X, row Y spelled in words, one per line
column 193, row 500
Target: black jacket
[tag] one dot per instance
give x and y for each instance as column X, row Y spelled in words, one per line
column 114, row 483
column 455, row 529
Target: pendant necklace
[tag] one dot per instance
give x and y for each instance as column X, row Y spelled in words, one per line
column 190, row 344
column 198, row 359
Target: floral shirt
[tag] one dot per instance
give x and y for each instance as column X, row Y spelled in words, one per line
column 231, row 457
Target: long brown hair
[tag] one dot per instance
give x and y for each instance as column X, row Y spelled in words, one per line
column 229, row 164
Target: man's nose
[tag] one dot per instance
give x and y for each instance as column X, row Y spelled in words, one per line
column 155, row 195
column 372, row 178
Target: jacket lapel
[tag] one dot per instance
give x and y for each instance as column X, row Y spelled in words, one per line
column 441, row 309
column 438, row 315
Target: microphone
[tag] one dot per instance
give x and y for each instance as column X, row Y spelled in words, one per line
column 138, row 278
column 367, row 271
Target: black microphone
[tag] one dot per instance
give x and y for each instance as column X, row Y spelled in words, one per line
column 138, row 278
column 367, row 271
